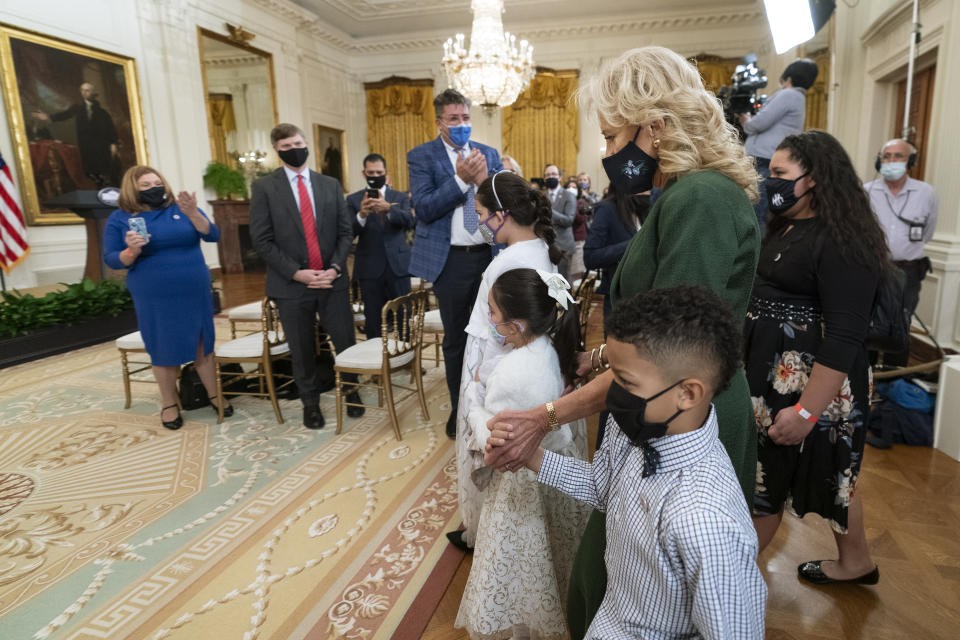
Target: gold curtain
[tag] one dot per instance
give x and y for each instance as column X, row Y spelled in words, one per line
column 222, row 121
column 542, row 125
column 715, row 71
column 399, row 117
column 817, row 94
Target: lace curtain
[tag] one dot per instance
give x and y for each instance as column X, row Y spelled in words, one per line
column 542, row 125
column 399, row 117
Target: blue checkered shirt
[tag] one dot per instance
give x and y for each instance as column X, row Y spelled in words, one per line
column 681, row 549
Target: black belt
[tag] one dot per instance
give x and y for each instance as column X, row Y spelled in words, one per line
column 469, row 248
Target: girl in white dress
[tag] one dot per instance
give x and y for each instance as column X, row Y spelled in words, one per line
column 510, row 213
column 528, row 532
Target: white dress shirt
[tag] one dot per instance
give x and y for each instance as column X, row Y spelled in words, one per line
column 458, row 235
column 292, row 179
column 552, row 194
column 916, row 202
column 681, row 553
column 383, row 194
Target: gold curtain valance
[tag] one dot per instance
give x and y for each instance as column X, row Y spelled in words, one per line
column 399, row 117
column 543, row 124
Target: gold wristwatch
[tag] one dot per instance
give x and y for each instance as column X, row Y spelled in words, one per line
column 552, row 423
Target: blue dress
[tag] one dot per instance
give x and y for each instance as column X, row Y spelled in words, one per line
column 169, row 282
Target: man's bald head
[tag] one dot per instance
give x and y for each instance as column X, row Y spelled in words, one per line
column 899, row 146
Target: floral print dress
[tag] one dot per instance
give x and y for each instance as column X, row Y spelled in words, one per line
column 810, row 304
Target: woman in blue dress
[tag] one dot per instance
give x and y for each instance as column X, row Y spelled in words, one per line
column 167, row 278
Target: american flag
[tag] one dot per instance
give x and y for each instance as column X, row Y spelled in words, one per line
column 13, row 233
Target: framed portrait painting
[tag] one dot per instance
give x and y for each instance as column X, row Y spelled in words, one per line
column 331, row 152
column 74, row 116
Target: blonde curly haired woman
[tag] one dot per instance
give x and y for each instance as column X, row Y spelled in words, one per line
column 661, row 125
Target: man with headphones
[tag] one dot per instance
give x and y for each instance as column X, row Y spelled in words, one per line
column 907, row 211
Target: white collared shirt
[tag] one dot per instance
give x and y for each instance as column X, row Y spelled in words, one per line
column 383, row 194
column 553, row 193
column 916, row 202
column 458, row 235
column 292, row 179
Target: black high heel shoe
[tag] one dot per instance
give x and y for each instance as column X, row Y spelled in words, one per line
column 227, row 410
column 174, row 424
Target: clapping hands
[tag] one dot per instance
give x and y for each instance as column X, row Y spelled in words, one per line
column 472, row 168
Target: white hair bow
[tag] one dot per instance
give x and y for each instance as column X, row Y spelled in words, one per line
column 557, row 287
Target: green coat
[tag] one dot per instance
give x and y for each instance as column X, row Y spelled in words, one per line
column 701, row 231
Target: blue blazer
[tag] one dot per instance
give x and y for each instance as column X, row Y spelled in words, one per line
column 435, row 196
column 379, row 244
column 606, row 243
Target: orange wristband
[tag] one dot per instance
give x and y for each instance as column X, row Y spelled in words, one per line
column 806, row 415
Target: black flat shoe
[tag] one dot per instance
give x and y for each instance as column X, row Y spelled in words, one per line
column 456, row 539
column 452, row 426
column 227, row 410
column 352, row 411
column 174, row 424
column 312, row 418
column 812, row 571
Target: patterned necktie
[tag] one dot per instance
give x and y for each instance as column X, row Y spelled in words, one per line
column 309, row 226
column 470, row 220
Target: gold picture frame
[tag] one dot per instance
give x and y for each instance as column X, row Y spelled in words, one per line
column 81, row 147
column 330, row 143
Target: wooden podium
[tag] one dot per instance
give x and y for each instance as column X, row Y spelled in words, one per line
column 85, row 204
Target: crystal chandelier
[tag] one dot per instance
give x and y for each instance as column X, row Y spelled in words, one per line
column 495, row 69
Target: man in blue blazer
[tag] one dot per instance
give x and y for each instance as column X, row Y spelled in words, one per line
column 448, row 249
column 381, row 217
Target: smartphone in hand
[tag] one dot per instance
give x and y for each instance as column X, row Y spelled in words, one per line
column 373, row 193
column 139, row 225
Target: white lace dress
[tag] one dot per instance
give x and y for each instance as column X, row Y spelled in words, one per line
column 528, row 533
column 483, row 353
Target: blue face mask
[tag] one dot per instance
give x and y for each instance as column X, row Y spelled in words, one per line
column 893, row 170
column 495, row 334
column 460, row 134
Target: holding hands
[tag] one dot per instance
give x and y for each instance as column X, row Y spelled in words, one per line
column 514, row 438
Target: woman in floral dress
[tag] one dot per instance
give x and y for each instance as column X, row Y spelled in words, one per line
column 806, row 363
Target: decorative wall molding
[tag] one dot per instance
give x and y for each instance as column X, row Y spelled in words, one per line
column 234, row 60
column 894, row 17
column 315, row 26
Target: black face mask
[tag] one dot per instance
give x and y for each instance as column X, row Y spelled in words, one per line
column 631, row 170
column 375, row 182
column 780, row 194
column 552, row 183
column 154, row 197
column 628, row 410
column 294, row 157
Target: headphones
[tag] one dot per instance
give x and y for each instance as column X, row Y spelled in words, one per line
column 911, row 161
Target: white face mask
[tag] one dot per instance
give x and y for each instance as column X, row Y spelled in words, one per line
column 572, row 190
column 893, row 170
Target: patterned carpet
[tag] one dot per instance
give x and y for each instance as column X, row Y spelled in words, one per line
column 113, row 527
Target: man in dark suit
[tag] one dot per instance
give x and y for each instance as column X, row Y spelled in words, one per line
column 300, row 227
column 382, row 261
column 564, row 211
column 96, row 136
column 448, row 250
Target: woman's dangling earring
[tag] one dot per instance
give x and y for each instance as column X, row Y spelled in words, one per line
column 656, row 143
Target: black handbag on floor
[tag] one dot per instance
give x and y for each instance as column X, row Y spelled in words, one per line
column 192, row 393
column 889, row 328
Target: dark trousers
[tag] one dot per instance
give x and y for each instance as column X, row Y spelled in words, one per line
column 916, row 271
column 376, row 293
column 760, row 208
column 456, row 290
column 298, row 317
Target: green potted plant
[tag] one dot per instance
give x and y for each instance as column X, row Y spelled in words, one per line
column 226, row 181
column 82, row 314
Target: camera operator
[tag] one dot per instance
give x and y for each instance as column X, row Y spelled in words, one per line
column 783, row 114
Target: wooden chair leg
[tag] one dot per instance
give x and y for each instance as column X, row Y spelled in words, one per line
column 419, row 380
column 388, row 390
column 339, row 392
column 216, row 370
column 271, row 390
column 124, row 363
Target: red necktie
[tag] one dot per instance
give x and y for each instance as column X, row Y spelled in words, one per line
column 309, row 226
